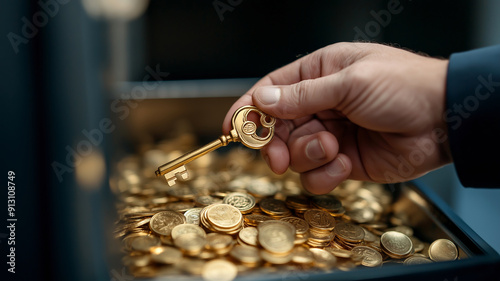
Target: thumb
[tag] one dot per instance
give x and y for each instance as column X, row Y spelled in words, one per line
column 303, row 98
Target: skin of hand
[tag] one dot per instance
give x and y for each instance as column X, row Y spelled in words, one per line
column 354, row 110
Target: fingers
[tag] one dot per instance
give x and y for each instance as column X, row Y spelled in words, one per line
column 305, row 97
column 311, row 147
column 322, row 62
column 325, row 178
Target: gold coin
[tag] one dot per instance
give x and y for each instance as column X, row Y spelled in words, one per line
column 249, row 236
column 187, row 228
column 163, row 222
column 371, row 257
column 224, row 216
column 193, row 216
column 302, row 255
column 190, row 243
column 323, row 258
column 349, row 232
column 144, row 243
column 443, row 250
column 276, row 236
column 245, row 254
column 219, row 270
column 273, row 207
column 217, row 241
column 416, row 260
column 242, row 201
column 275, row 258
column 165, row 254
column 340, row 253
column 301, row 226
column 396, row 243
column 137, row 261
column 254, row 220
column 326, row 202
column 319, row 219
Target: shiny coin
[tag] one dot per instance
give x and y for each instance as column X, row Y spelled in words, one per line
column 370, row 257
column 276, row 236
column 443, row 250
column 144, row 243
column 163, row 222
column 302, row 255
column 396, row 243
column 326, row 202
column 193, row 216
column 217, row 241
column 242, row 201
column 187, row 228
column 191, row 243
column 416, row 260
column 349, row 232
column 323, row 258
column 224, row 216
column 274, row 207
column 275, row 258
column 249, row 236
column 340, row 253
column 301, row 226
column 245, row 254
column 319, row 219
column 165, row 254
column 219, row 270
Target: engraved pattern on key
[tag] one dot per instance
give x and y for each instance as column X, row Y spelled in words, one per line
column 244, row 131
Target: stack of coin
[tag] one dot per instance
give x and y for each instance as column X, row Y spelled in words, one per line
column 301, row 229
column 348, row 235
column 222, row 218
column 328, row 203
column 274, row 208
column 396, row 245
column 298, row 203
column 321, row 224
column 255, row 219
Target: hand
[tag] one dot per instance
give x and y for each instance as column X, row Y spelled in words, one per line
column 354, row 110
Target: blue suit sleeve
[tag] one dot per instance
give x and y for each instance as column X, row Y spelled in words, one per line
column 473, row 116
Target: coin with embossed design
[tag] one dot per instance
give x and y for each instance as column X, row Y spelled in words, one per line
column 396, row 243
column 349, row 232
column 370, row 256
column 319, row 219
column 276, row 236
column 163, row 222
column 242, row 201
column 301, row 226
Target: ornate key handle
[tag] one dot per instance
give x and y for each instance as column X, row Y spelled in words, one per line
column 247, row 130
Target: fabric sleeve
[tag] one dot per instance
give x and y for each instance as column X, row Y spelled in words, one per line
column 473, row 115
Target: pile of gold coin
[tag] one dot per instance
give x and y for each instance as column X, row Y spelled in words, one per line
column 229, row 220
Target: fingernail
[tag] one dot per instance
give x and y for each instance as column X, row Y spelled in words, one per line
column 268, row 95
column 336, row 168
column 314, row 150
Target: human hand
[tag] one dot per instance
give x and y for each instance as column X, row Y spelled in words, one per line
column 354, row 110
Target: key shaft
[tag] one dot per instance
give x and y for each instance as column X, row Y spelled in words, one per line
column 195, row 154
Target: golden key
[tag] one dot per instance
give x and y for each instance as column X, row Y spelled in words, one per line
column 244, row 131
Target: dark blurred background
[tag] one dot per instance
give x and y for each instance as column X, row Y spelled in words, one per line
column 67, row 65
